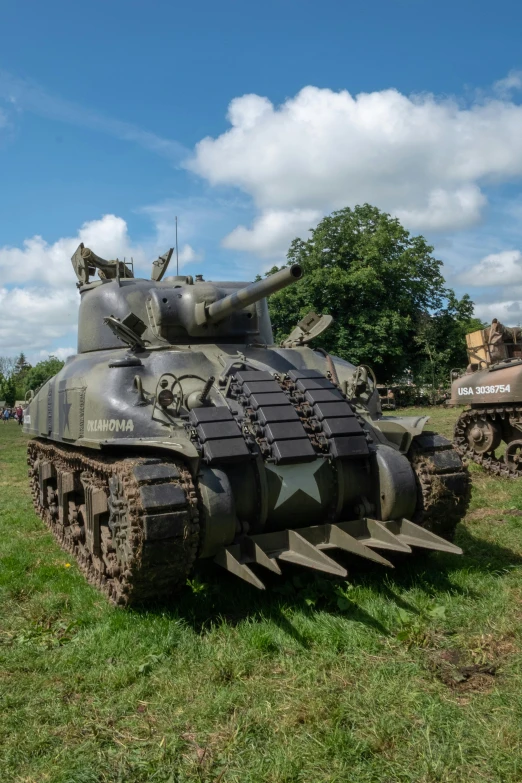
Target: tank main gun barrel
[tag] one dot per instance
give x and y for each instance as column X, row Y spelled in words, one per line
column 223, row 308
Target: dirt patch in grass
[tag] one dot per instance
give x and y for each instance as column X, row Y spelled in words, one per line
column 474, row 668
column 449, row 667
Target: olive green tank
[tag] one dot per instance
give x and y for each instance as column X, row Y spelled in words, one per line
column 181, row 431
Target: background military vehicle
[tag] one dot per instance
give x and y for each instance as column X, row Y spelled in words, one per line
column 180, row 431
column 491, row 387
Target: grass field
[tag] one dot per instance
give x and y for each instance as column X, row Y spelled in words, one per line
column 405, row 675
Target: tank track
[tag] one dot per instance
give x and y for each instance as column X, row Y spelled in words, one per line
column 488, row 461
column 444, row 484
column 147, row 533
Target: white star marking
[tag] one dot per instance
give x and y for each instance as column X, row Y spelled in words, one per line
column 295, row 478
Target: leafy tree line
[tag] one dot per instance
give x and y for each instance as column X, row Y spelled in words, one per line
column 391, row 306
column 17, row 376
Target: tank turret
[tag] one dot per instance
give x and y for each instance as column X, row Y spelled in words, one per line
column 119, row 308
column 181, row 431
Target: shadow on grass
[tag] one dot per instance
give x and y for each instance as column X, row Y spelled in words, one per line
column 217, row 597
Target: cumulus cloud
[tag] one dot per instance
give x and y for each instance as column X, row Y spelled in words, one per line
column 508, row 312
column 39, row 299
column 187, row 255
column 446, row 210
column 272, row 231
column 424, row 159
column 496, row 269
column 60, row 353
column 504, row 87
column 495, row 284
column 50, row 264
column 32, row 319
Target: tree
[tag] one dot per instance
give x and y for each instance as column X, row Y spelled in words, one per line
column 7, row 383
column 441, row 338
column 41, row 373
column 8, row 391
column 7, row 366
column 21, row 368
column 21, row 365
column 379, row 282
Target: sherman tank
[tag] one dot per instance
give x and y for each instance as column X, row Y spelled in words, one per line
column 491, row 389
column 180, row 431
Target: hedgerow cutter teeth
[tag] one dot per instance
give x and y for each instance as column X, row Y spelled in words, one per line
column 306, row 546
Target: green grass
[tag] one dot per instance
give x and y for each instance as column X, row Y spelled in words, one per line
column 315, row 680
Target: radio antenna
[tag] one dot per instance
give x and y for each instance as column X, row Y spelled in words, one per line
column 177, row 257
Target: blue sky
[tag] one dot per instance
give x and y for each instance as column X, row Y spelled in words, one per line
column 250, row 122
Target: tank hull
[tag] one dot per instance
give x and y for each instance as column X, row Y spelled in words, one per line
column 216, row 479
column 500, row 384
column 492, row 421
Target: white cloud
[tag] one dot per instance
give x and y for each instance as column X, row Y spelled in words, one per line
column 59, row 353
column 420, row 157
column 496, row 269
column 187, row 255
column 40, row 262
column 496, row 286
column 509, row 312
column 446, row 210
column 272, row 231
column 32, row 319
column 39, row 299
column 504, row 87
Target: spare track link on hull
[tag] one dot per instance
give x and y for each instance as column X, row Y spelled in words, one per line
column 131, row 523
column 488, row 461
column 444, row 483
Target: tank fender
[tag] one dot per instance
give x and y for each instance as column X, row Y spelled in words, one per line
column 180, row 446
column 400, row 430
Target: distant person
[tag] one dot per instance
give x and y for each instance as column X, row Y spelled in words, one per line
column 5, row 416
column 20, row 414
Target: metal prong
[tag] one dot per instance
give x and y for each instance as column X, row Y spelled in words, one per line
column 374, row 534
column 414, row 535
column 342, row 540
column 227, row 557
column 301, row 552
column 251, row 552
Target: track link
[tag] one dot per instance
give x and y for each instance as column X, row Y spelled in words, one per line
column 488, row 461
column 444, row 484
column 131, row 523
